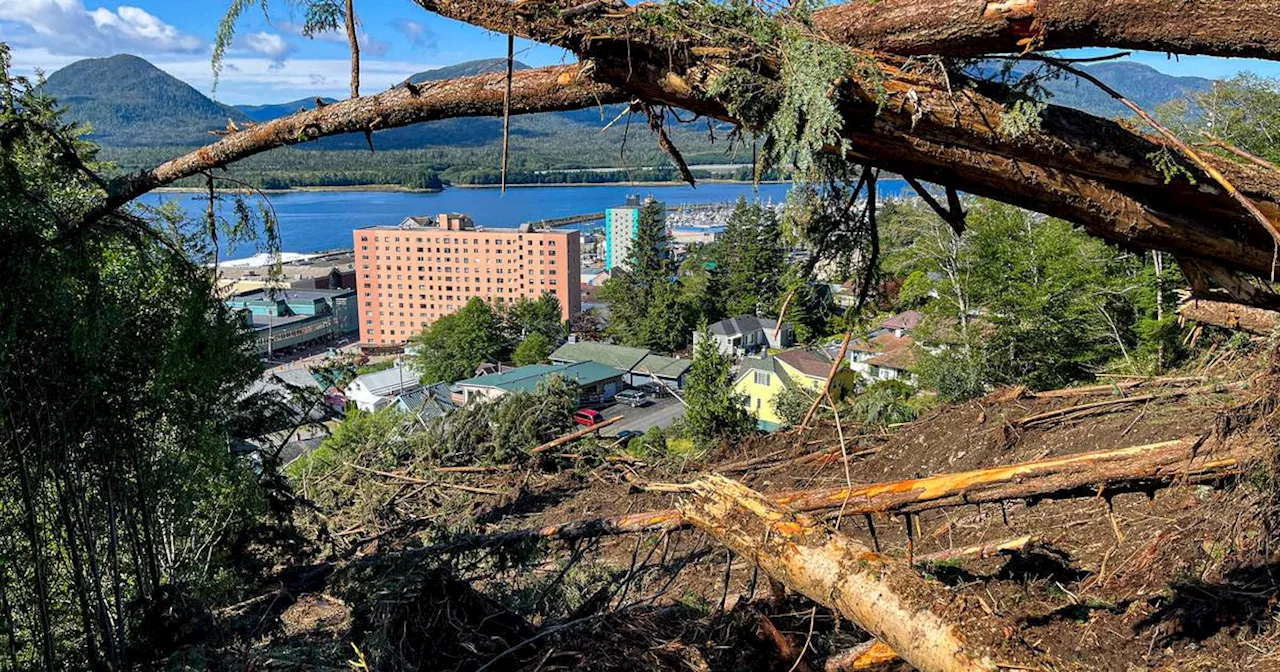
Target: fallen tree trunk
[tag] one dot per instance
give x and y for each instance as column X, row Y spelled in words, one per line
column 1136, row 468
column 536, row 90
column 918, row 619
column 1228, row 315
column 1111, row 388
column 1095, row 172
column 1087, row 170
column 973, row 28
column 576, row 434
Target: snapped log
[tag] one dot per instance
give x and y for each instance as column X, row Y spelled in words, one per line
column 1229, row 315
column 919, row 619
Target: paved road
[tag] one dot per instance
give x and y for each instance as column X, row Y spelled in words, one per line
column 659, row 413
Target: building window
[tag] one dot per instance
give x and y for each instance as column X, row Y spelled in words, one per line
column 762, row 378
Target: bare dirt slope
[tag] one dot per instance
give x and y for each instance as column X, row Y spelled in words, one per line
column 1179, row 577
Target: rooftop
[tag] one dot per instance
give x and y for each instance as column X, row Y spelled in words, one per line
column 618, row 356
column 904, row 320
column 526, row 378
column 882, row 343
column 742, row 324
column 663, row 366
column 389, row 380
column 292, row 294
column 807, row 362
column 431, row 401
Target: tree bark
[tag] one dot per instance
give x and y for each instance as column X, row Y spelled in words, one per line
column 1250, row 319
column 976, row 27
column 919, row 619
column 353, row 39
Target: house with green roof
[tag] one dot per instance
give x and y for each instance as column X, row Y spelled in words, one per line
column 598, row 382
column 639, row 365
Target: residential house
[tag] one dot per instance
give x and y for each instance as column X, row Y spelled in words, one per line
column 890, row 353
column 373, row 391
column 900, row 324
column 598, row 382
column 746, row 334
column 639, row 365
column 761, row 379
column 427, row 402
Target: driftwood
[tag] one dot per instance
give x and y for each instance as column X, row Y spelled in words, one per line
column 917, row 618
column 1228, row 315
column 1135, row 468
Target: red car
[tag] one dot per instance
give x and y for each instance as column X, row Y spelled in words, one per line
column 587, row 417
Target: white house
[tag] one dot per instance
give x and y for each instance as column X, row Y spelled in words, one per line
column 745, row 334
column 373, row 391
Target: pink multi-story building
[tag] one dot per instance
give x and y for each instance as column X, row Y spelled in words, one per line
column 408, row 276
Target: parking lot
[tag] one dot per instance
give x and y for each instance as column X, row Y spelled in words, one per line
column 656, row 413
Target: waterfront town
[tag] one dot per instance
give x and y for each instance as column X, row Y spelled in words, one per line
column 613, row 335
column 370, row 302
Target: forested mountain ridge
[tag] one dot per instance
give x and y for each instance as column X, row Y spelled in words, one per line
column 131, row 103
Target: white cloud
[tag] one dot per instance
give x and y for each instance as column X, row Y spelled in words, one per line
column 416, row 33
column 265, row 44
column 66, row 26
column 368, row 44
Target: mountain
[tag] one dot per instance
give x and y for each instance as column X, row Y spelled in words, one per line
column 466, row 69
column 276, row 110
column 1142, row 84
column 132, row 103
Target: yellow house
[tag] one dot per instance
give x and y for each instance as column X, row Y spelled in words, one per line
column 761, row 379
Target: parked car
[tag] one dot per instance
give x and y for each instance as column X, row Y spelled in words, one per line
column 587, row 417
column 626, row 434
column 631, row 398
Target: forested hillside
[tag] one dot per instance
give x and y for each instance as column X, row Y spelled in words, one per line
column 162, row 115
column 132, row 103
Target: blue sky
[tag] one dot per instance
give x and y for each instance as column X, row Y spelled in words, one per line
column 271, row 62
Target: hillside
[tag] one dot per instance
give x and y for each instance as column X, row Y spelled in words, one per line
column 1142, row 84
column 132, row 103
column 276, row 110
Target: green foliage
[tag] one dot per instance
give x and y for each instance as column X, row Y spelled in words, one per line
column 1243, row 111
column 751, row 252
column 503, row 430
column 884, row 402
column 1019, row 299
column 646, row 306
column 956, row 373
column 525, row 317
column 715, row 413
column 791, row 405
column 1020, row 118
column 534, row 349
column 120, row 375
column 451, row 348
column 651, row 444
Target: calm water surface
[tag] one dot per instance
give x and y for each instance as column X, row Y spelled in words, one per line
column 311, row 221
